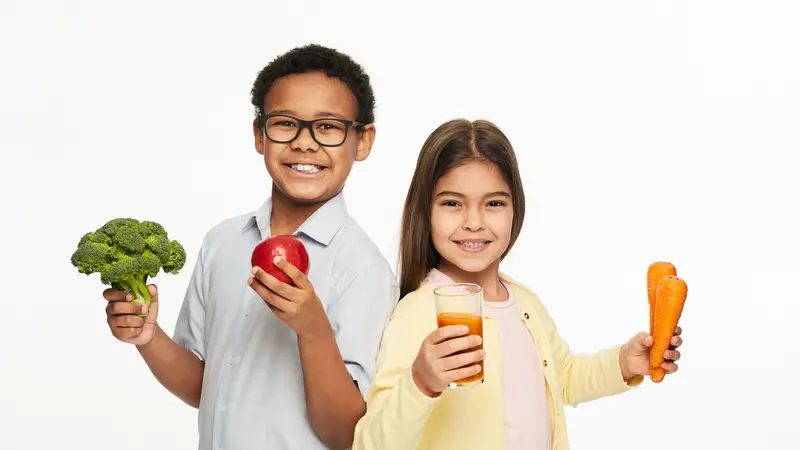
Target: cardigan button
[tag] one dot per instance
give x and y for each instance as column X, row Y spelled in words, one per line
column 527, row 316
column 544, row 363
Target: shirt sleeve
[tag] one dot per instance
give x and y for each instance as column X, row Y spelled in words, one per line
column 358, row 316
column 190, row 326
column 397, row 410
column 587, row 377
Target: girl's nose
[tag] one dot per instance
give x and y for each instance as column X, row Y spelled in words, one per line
column 473, row 220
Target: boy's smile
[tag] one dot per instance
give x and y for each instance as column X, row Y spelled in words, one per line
column 303, row 170
column 306, row 168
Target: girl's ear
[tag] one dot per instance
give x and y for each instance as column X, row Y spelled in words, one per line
column 366, row 137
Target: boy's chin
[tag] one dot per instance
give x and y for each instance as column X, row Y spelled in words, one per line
column 307, row 195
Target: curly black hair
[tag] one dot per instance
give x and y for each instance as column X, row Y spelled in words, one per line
column 317, row 58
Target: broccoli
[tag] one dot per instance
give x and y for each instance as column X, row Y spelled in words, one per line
column 126, row 252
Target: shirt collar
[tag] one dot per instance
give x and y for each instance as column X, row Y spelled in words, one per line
column 321, row 226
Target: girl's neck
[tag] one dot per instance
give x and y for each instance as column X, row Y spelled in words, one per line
column 488, row 279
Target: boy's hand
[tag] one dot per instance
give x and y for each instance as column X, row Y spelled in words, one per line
column 434, row 368
column 123, row 320
column 297, row 306
column 634, row 357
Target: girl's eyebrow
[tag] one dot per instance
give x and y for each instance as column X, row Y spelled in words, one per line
column 459, row 195
column 449, row 194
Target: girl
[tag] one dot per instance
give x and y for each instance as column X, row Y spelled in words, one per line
column 462, row 215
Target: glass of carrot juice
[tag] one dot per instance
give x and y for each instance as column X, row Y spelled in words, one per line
column 462, row 304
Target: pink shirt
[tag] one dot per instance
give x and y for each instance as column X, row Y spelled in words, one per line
column 527, row 417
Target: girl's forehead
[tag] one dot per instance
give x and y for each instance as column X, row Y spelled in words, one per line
column 474, row 173
column 475, row 178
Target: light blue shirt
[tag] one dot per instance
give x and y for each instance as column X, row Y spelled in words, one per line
column 253, row 396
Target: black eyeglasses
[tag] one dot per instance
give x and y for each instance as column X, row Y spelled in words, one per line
column 328, row 132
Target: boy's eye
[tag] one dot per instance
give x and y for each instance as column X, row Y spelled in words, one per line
column 329, row 126
column 283, row 123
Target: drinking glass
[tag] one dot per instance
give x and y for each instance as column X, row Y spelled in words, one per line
column 462, row 304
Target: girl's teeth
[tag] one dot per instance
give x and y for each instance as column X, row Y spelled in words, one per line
column 473, row 244
column 306, row 168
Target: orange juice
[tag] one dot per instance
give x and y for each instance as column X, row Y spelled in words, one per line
column 475, row 324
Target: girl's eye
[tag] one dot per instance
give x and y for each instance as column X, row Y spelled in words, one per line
column 496, row 203
column 450, row 203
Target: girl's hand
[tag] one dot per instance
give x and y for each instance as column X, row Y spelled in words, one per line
column 434, row 368
column 634, row 358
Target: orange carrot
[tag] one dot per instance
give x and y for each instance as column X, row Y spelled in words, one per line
column 655, row 273
column 670, row 297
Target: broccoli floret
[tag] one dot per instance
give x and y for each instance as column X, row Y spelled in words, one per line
column 129, row 239
column 177, row 258
column 126, row 253
column 110, row 227
column 149, row 263
column 159, row 245
column 153, row 227
column 91, row 257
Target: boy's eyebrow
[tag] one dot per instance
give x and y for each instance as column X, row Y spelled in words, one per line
column 490, row 194
column 330, row 114
column 289, row 112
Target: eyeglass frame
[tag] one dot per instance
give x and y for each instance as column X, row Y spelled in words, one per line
column 308, row 124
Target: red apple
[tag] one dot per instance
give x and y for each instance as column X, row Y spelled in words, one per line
column 288, row 247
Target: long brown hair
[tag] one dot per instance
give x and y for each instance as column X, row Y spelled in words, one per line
column 452, row 144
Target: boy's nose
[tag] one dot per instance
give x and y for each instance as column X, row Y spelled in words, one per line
column 304, row 142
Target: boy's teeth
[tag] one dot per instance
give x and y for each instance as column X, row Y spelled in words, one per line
column 306, row 168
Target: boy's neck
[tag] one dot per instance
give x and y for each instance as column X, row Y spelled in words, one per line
column 488, row 279
column 287, row 215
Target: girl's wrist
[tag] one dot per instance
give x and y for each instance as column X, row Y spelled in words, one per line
column 623, row 363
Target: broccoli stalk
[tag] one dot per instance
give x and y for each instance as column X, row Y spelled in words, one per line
column 137, row 287
column 126, row 253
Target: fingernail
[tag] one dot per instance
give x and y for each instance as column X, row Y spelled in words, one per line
column 128, row 297
column 254, row 270
column 250, row 281
column 276, row 260
column 483, row 353
column 478, row 339
column 145, row 309
column 463, row 328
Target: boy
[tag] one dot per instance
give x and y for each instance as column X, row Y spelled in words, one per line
column 269, row 365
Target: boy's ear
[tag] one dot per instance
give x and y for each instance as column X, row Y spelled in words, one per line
column 365, row 140
column 258, row 134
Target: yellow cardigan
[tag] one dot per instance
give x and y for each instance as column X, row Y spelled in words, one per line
column 400, row 417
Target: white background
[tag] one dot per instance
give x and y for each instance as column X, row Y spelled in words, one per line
column 657, row 130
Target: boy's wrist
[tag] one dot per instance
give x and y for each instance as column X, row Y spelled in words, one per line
column 322, row 332
column 156, row 331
